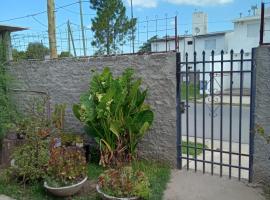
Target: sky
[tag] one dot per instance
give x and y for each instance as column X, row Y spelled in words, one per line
column 220, row 13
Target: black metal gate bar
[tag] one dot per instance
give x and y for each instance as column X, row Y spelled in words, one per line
column 203, row 111
column 195, row 109
column 230, row 139
column 213, row 93
column 212, row 112
column 187, row 110
column 221, row 114
column 240, row 114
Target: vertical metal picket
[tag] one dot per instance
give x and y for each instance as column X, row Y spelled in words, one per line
column 208, row 135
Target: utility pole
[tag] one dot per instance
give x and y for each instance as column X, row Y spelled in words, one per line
column 131, row 4
column 82, row 27
column 71, row 37
column 51, row 28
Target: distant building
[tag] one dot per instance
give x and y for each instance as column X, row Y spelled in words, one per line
column 245, row 35
column 5, row 39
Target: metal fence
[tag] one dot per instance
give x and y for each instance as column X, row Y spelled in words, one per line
column 159, row 31
column 264, row 31
column 215, row 125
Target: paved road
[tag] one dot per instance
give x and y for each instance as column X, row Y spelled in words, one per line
column 216, row 124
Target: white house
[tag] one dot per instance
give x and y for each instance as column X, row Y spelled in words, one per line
column 245, row 35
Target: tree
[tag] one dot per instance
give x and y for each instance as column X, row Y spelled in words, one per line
column 65, row 54
column 36, row 50
column 111, row 26
column 146, row 47
column 18, row 55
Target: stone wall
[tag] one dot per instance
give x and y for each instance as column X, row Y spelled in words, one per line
column 262, row 115
column 66, row 79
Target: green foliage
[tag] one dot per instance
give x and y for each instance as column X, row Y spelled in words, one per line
column 32, row 157
column 191, row 90
column 65, row 54
column 124, row 183
column 58, row 116
column 260, row 130
column 7, row 109
column 36, row 50
column 146, row 47
column 18, row 55
column 111, row 26
column 192, row 148
column 114, row 113
column 68, row 139
column 158, row 175
column 67, row 166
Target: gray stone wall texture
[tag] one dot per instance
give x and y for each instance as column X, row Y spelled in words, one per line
column 262, row 115
column 66, row 79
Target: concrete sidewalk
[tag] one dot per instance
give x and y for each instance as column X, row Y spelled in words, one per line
column 4, row 197
column 226, row 100
column 188, row 185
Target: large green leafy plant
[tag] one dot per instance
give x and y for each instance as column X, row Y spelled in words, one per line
column 115, row 114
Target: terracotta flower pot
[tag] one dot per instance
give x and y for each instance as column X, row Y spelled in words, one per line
column 66, row 190
column 108, row 197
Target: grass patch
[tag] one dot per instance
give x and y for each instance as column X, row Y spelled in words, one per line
column 191, row 91
column 158, row 175
column 192, row 150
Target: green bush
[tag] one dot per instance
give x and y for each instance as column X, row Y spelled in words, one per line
column 7, row 109
column 124, row 182
column 114, row 113
column 36, row 50
column 30, row 159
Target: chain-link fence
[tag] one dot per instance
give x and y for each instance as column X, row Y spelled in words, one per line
column 150, row 35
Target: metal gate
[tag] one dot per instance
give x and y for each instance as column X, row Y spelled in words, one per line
column 215, row 113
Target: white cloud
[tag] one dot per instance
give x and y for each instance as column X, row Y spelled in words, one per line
column 200, row 2
column 144, row 3
column 154, row 3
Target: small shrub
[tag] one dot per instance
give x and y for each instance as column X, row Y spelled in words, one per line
column 67, row 166
column 124, row 182
column 31, row 160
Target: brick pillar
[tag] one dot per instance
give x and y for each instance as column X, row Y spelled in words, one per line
column 262, row 115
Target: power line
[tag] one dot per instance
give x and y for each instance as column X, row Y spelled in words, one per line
column 39, row 22
column 39, row 13
column 76, row 13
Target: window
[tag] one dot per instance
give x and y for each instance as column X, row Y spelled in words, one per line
column 210, row 44
column 189, row 42
column 253, row 30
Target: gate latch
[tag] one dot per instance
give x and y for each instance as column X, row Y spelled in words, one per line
column 182, row 107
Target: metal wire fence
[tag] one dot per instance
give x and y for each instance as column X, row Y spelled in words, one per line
column 158, row 35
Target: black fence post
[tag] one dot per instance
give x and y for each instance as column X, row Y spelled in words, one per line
column 262, row 24
column 178, row 112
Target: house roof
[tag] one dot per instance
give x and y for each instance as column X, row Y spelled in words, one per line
column 171, row 38
column 11, row 28
column 250, row 18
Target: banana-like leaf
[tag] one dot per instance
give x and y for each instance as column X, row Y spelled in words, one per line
column 76, row 111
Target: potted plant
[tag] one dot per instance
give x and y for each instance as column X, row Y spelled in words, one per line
column 123, row 184
column 66, row 171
